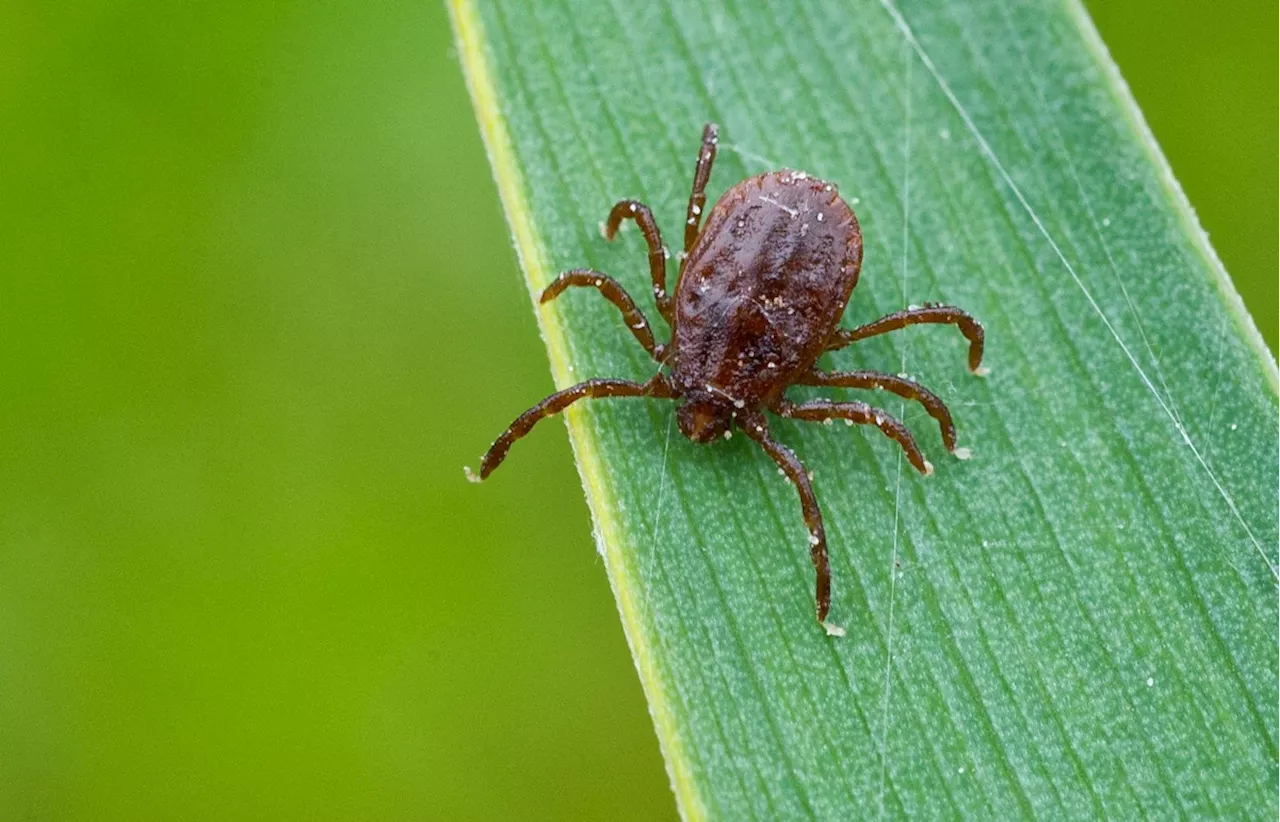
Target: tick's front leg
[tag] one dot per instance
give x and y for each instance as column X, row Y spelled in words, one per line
column 757, row 428
column 657, row 386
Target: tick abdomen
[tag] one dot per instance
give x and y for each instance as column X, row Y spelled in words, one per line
column 764, row 285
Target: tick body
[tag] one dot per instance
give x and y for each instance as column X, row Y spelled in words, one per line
column 758, row 301
column 761, row 292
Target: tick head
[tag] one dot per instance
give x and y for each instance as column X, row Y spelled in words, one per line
column 704, row 418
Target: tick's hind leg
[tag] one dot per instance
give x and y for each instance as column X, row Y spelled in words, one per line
column 638, row 211
column 928, row 313
column 559, row 401
column 904, row 388
column 862, row 414
column 757, row 429
column 701, row 175
column 614, row 293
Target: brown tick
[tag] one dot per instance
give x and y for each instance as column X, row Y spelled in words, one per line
column 758, row 300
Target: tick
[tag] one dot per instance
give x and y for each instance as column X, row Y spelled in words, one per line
column 759, row 296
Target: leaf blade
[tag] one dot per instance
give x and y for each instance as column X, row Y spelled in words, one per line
column 993, row 701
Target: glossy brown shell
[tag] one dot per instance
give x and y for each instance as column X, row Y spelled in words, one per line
column 764, row 287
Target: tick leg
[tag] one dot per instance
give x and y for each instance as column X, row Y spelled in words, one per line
column 559, row 401
column 904, row 388
column 928, row 313
column 701, row 174
column 614, row 293
column 657, row 251
column 856, row 412
column 757, row 429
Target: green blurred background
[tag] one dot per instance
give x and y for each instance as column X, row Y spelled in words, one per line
column 258, row 306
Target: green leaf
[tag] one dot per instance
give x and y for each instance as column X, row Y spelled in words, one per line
column 1080, row 620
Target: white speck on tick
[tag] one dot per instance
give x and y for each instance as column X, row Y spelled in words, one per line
column 827, row 421
column 728, row 435
column 813, row 539
column 633, row 208
column 695, row 208
column 849, row 423
column 692, row 220
column 819, row 216
column 774, row 202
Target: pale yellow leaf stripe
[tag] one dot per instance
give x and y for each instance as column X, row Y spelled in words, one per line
column 469, row 34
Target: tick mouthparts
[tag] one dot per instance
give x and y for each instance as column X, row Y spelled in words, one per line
column 832, row 629
column 472, row 476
